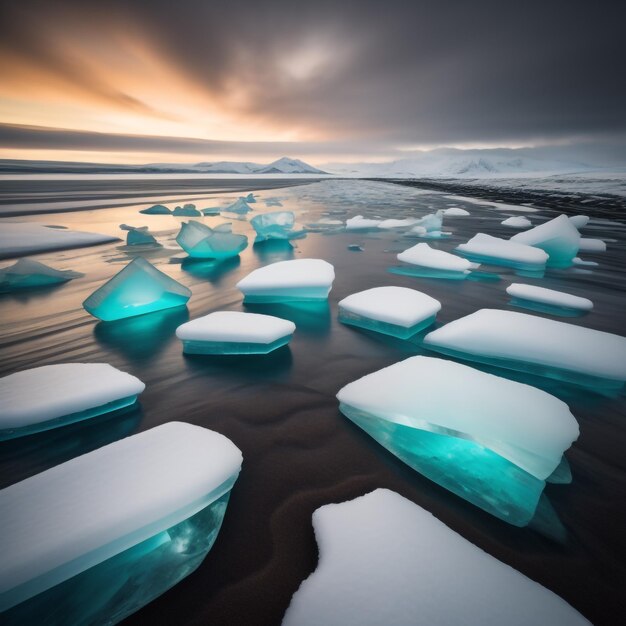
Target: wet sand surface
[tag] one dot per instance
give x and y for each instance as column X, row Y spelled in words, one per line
column 299, row 451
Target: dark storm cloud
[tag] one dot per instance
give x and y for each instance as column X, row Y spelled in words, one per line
column 405, row 72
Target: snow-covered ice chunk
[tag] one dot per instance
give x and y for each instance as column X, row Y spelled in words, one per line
column 157, row 209
column 580, row 221
column 530, row 295
column 200, row 241
column 358, row 222
column 432, row 221
column 592, row 245
column 277, row 225
column 578, row 261
column 517, row 222
column 355, row 247
column 495, row 451
column 535, row 344
column 395, row 223
column 269, row 202
column 138, row 235
column 441, row 264
column 396, row 311
column 98, row 537
column 233, row 332
column 187, row 210
column 455, row 211
column 29, row 274
column 558, row 237
column 137, row 289
column 483, row 248
column 296, row 280
column 55, row 395
column 239, row 206
column 385, row 560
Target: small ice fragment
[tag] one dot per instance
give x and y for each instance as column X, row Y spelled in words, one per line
column 200, row 241
column 417, row 231
column 358, row 222
column 517, row 222
column 188, row 210
column 396, row 311
column 425, row 256
column 56, row 395
column 354, row 247
column 137, row 289
column 277, row 225
column 29, row 274
column 483, row 248
column 551, row 297
column 297, row 280
column 138, row 235
column 434, row 234
column 432, row 221
column 157, row 209
column 233, row 332
column 214, row 210
column 250, row 199
column 592, row 245
column 578, row 261
column 269, row 202
column 239, row 206
column 580, row 221
column 536, row 345
column 455, row 211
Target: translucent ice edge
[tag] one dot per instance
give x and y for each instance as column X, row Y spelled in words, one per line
column 110, row 407
column 117, row 587
column 550, row 309
column 425, row 272
column 402, row 332
column 496, row 260
column 233, row 347
column 537, row 369
column 299, row 294
column 464, row 467
column 98, row 556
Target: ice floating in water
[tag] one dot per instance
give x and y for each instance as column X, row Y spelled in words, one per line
column 358, row 222
column 239, row 206
column 138, row 236
column 200, row 241
column 431, row 234
column 29, row 274
column 483, row 248
column 592, row 245
column 455, row 211
column 495, row 451
column 578, row 261
column 297, row 280
column 214, row 210
column 443, row 263
column 269, row 202
column 392, row 223
column 55, row 395
column 517, row 222
column 354, row 247
column 529, row 295
column 396, row 311
column 277, row 225
column 94, row 539
column 157, row 209
column 385, row 560
column 188, row 210
column 558, row 237
column 233, row 332
column 536, row 345
column 137, row 289
column 250, row 199
column 580, row 221
column 432, row 221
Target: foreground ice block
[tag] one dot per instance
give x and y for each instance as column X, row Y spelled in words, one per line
column 396, row 311
column 94, row 539
column 200, row 241
column 137, row 289
column 536, row 297
column 517, row 222
column 297, row 280
column 435, row 263
column 50, row 396
column 29, row 274
column 277, row 225
column 138, row 235
column 157, row 209
column 385, row 560
column 233, row 332
column 537, row 345
column 483, row 248
column 187, row 210
column 358, row 222
column 487, row 439
column 559, row 238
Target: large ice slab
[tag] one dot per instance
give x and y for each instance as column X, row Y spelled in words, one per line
column 29, row 274
column 535, row 344
column 137, row 289
column 200, row 241
column 358, row 222
column 441, row 264
column 300, row 279
column 396, row 311
column 558, row 237
column 138, row 235
column 276, row 225
column 517, row 222
column 157, row 209
column 233, row 332
column 483, row 248
column 490, row 440
column 385, row 560
column 135, row 501
column 580, row 221
column 531, row 294
column 55, row 395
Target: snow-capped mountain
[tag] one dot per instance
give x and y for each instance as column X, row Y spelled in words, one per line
column 284, row 165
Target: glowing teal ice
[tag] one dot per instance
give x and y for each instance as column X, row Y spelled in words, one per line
column 157, row 209
column 462, row 466
column 277, row 225
column 139, row 288
column 233, row 347
column 138, row 235
column 402, row 332
column 187, row 210
column 202, row 242
column 29, row 274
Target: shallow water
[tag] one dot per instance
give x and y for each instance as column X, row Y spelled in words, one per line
column 280, row 409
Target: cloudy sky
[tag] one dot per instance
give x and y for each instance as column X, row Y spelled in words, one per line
column 156, row 80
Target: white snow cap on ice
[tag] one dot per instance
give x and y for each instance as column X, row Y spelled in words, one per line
column 517, row 222
column 455, row 211
column 592, row 245
column 503, row 249
column 579, row 220
column 425, row 256
column 549, row 296
column 359, row 222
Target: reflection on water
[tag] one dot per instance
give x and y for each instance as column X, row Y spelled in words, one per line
column 249, row 365
column 213, row 270
column 273, row 250
column 311, row 317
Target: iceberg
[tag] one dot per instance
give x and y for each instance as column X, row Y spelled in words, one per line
column 239, row 206
column 137, row 289
column 396, row 311
column 138, row 235
column 559, row 238
column 203, row 242
column 517, row 222
column 250, row 199
column 29, row 274
column 385, row 560
column 277, row 225
column 496, row 451
column 157, row 209
column 296, row 280
column 580, row 221
column 536, row 345
column 592, row 245
column 50, row 396
column 429, row 262
column 188, row 210
column 455, row 211
column 358, row 222
column 432, row 221
column 547, row 300
column 233, row 332
column 94, row 539
column 483, row 248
